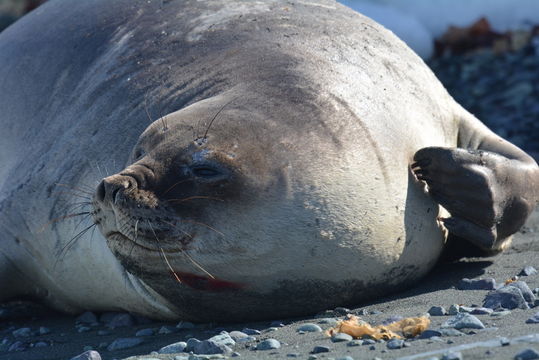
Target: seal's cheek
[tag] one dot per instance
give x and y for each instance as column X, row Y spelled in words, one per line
column 206, row 283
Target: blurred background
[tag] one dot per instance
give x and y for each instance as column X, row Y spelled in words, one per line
column 485, row 52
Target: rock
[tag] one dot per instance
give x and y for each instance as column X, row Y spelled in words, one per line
column 345, row 358
column 309, row 328
column 44, row 330
column 41, row 344
column 341, row 311
column 223, row 338
column 211, row 347
column 481, row 311
column 452, row 355
column 355, row 343
column 534, row 319
column 183, row 325
column 268, row 344
column 450, row 332
column 88, row 355
column 22, row 332
column 124, row 343
column 191, row 343
column 437, row 311
column 341, row 337
column 523, row 287
column 500, row 313
column 87, row 317
column 453, row 309
column 427, row 334
column 479, row 284
column 464, row 321
column 293, row 355
column 527, row 271
column 17, row 346
column 395, row 344
column 163, row 330
column 103, row 332
column 527, row 354
column 236, row 335
column 251, row 331
column 83, row 329
column 177, row 347
column 320, row 349
column 277, row 323
column 328, row 321
column 121, row 320
column 145, row 332
column 507, row 297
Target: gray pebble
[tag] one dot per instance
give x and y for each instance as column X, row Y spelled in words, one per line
column 211, row 347
column 452, row 355
column 437, row 311
column 527, row 354
column 173, row 348
column 355, row 343
column 345, row 358
column 236, row 335
column 145, row 332
column 524, row 288
column 341, row 311
column 41, row 344
column 464, row 321
column 268, row 344
column 164, row 330
column 507, row 297
column 534, row 319
column 121, row 320
column 103, row 332
column 251, row 331
column 312, row 357
column 310, row 328
column 22, row 332
column 341, row 337
column 328, row 321
column 453, row 309
column 450, row 332
column 466, row 309
column 395, row 344
column 368, row 342
column 87, row 317
column 527, row 271
column 183, row 325
column 536, row 291
column 88, row 355
column 17, row 346
column 224, row 339
column 246, row 339
column 235, row 354
column 191, row 343
column 500, row 313
column 83, row 329
column 477, row 284
column 124, row 343
column 293, row 355
column 44, row 330
column 276, row 324
column 482, row 311
column 320, row 349
column 427, row 334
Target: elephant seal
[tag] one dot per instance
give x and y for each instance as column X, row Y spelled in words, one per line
column 241, row 160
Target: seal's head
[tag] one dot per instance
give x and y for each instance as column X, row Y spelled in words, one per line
column 240, row 222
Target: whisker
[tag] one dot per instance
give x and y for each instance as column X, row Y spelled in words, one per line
column 194, row 198
column 41, row 229
column 73, row 194
column 183, row 231
column 163, row 253
column 197, row 264
column 202, row 224
column 178, row 183
column 71, row 242
column 135, row 239
column 91, row 193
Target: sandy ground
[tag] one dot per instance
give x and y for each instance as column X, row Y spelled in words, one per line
column 437, row 289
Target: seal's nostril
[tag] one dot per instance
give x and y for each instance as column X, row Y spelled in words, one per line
column 100, row 192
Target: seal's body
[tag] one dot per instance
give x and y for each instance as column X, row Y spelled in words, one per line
column 275, row 180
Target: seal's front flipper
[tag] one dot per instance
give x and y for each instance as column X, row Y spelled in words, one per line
column 489, row 186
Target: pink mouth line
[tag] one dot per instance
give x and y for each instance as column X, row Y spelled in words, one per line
column 206, row 283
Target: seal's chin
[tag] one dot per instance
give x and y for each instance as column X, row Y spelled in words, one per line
column 140, row 243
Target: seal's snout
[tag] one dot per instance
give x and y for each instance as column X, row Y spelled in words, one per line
column 110, row 187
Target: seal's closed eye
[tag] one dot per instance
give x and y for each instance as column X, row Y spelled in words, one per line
column 206, row 171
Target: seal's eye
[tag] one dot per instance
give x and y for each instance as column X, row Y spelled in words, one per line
column 205, row 171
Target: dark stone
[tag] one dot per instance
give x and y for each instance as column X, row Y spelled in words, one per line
column 479, row 284
column 320, row 349
column 507, row 297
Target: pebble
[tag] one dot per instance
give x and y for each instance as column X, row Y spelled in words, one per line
column 500, row 313
column 345, row 358
column 88, row 355
column 277, row 323
column 464, row 321
column 236, row 335
column 524, row 288
column 453, row 309
column 328, row 321
column 224, row 338
column 183, row 325
column 437, row 311
column 177, row 347
column 452, row 355
column 527, row 271
column 294, row 355
column 527, row 354
column 44, row 330
column 211, row 347
column 355, row 343
column 145, row 332
column 83, row 329
column 427, row 334
column 309, row 328
column 341, row 337
column 395, row 344
column 481, row 311
column 368, row 342
column 103, row 332
column 22, row 332
column 87, row 317
column 450, row 332
column 164, row 330
column 124, row 343
column 251, row 331
column 41, row 344
column 268, row 344
column 17, row 346
column 121, row 320
column 534, row 319
column 507, row 297
column 312, row 357
column 341, row 311
column 477, row 284
column 320, row 349
column 191, row 343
